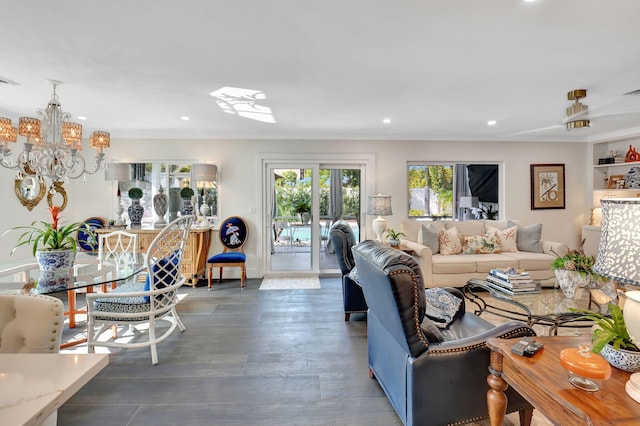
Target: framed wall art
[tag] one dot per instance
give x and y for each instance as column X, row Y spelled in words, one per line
column 547, row 186
column 616, row 182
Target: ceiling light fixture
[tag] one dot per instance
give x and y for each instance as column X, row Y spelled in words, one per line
column 491, row 122
column 577, row 112
column 52, row 145
column 386, row 121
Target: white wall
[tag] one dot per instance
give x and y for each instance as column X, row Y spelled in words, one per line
column 239, row 174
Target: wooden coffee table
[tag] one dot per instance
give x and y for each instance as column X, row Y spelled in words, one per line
column 544, row 383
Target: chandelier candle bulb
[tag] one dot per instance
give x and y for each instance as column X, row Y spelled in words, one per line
column 53, row 144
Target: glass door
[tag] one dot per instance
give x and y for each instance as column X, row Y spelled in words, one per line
column 339, row 201
column 292, row 218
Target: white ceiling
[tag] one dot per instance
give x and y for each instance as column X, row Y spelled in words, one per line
column 330, row 69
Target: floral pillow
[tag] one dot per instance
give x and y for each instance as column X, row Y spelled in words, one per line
column 449, row 241
column 480, row 244
column 507, row 239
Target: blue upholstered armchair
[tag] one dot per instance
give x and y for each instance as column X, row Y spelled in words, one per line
column 431, row 375
column 343, row 239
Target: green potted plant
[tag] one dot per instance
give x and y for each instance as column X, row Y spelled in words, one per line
column 574, row 270
column 301, row 204
column 611, row 339
column 394, row 237
column 135, row 210
column 186, row 194
column 135, row 193
column 52, row 243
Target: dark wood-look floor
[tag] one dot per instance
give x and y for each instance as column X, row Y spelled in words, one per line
column 247, row 358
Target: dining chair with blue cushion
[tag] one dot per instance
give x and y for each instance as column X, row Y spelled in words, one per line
column 233, row 234
column 147, row 302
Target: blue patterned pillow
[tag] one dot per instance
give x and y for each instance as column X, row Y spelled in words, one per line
column 441, row 306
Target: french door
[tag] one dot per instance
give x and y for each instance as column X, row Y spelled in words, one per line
column 303, row 200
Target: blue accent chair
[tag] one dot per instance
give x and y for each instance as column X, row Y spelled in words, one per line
column 233, row 234
column 342, row 239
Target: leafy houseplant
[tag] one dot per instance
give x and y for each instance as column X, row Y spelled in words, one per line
column 608, row 330
column 394, row 237
column 45, row 236
column 574, row 270
column 611, row 339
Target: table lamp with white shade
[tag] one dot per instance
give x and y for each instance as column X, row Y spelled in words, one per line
column 379, row 205
column 118, row 172
column 468, row 204
column 619, row 259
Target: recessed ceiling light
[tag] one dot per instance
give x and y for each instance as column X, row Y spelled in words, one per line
column 386, row 120
column 491, row 122
column 185, row 118
column 529, row 1
column 82, row 117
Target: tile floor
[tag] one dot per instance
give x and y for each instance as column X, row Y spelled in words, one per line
column 247, row 357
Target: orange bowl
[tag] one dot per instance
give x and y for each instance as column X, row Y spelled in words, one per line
column 585, row 364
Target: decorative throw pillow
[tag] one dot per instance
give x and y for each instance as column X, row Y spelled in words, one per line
column 449, row 240
column 441, row 306
column 430, row 238
column 507, row 239
column 528, row 238
column 480, row 244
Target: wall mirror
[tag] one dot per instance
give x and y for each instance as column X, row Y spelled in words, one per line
column 30, row 190
column 172, row 177
column 58, row 194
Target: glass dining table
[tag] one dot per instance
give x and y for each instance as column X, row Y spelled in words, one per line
column 88, row 272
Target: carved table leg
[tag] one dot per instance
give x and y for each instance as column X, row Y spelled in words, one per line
column 496, row 399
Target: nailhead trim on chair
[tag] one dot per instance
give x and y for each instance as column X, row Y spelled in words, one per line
column 416, row 308
column 506, row 335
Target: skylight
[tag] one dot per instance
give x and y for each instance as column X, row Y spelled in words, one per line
column 243, row 102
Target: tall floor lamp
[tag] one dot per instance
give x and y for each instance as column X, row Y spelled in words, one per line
column 619, row 259
column 379, row 205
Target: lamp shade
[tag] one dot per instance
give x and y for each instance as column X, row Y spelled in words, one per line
column 619, row 249
column 469, row 202
column 204, row 172
column 118, row 171
column 379, row 205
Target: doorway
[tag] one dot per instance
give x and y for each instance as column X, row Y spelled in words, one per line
column 304, row 201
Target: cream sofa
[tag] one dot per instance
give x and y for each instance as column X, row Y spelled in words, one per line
column 455, row 270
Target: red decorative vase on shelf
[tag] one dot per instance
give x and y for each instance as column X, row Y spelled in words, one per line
column 632, row 155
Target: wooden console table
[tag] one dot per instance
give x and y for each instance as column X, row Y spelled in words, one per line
column 196, row 250
column 543, row 382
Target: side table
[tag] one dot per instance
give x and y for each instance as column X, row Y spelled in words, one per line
column 545, row 384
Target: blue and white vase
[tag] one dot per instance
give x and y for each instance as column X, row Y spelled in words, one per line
column 633, row 178
column 187, row 207
column 55, row 260
column 136, row 211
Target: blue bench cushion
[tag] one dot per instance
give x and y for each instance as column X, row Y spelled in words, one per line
column 229, row 257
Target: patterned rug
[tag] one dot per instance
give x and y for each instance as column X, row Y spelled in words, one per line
column 301, row 282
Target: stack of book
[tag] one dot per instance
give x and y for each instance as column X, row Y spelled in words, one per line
column 511, row 281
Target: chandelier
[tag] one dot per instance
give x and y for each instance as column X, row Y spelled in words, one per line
column 52, row 146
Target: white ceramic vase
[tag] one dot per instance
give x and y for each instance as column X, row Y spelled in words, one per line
column 570, row 281
column 631, row 314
